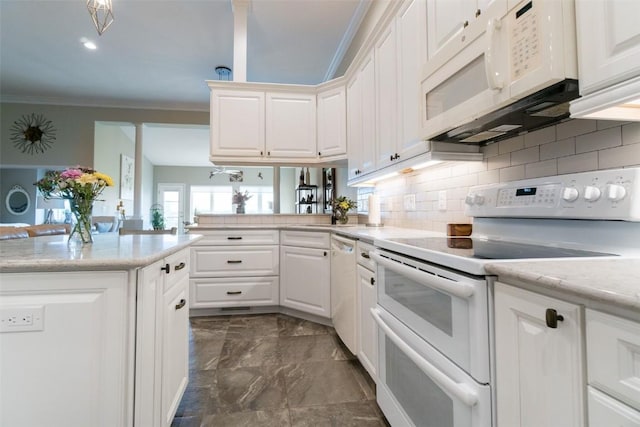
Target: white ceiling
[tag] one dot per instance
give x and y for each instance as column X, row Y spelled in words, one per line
column 158, row 54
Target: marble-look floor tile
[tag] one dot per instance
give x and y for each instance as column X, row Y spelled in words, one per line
column 354, row 414
column 238, row 353
column 195, row 402
column 204, row 355
column 364, row 380
column 202, row 378
column 291, row 326
column 311, row 348
column 256, row 326
column 250, row 389
column 275, row 418
column 204, row 328
column 321, row 383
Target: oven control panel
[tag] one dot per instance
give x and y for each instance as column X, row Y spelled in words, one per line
column 612, row 194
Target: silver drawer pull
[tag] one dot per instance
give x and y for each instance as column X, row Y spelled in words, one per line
column 234, row 238
column 234, row 292
column 181, row 304
column 180, row 266
column 365, row 255
column 234, row 261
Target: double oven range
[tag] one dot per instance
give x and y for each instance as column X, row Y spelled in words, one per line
column 435, row 299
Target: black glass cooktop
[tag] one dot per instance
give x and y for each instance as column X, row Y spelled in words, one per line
column 493, row 249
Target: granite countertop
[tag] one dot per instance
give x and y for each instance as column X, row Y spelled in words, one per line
column 108, row 251
column 603, row 281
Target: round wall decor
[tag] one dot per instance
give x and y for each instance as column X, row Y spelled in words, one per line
column 32, row 133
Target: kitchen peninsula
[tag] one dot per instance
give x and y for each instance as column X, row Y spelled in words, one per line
column 86, row 331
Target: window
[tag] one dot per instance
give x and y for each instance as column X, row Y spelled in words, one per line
column 261, row 200
column 211, row 199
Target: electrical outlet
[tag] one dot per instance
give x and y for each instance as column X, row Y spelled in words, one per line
column 21, row 319
column 442, row 200
column 409, row 202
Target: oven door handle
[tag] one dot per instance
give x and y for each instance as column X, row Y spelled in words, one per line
column 460, row 391
column 457, row 289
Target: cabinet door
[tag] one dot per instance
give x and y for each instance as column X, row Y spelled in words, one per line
column 332, row 123
column 368, row 345
column 386, row 81
column 609, row 51
column 305, row 282
column 237, row 123
column 446, row 20
column 411, row 51
column 175, row 348
column 368, row 99
column 354, row 127
column 291, row 125
column 539, row 369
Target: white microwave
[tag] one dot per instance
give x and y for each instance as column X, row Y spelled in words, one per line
column 519, row 74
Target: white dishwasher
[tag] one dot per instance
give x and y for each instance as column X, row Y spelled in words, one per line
column 343, row 290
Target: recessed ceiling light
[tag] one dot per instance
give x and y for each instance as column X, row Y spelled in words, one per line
column 88, row 43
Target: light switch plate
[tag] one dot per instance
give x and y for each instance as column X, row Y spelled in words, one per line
column 410, row 202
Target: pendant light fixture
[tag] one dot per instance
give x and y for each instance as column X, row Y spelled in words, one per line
column 101, row 12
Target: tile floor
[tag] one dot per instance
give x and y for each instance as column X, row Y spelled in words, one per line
column 273, row 370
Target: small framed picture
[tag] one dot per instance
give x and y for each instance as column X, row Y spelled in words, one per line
column 126, row 177
column 236, row 177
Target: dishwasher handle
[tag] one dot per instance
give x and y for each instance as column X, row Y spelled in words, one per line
column 460, row 391
column 342, row 244
column 457, row 289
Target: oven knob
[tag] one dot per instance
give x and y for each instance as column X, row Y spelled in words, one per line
column 478, row 199
column 591, row 193
column 616, row 192
column 469, row 199
column 570, row 194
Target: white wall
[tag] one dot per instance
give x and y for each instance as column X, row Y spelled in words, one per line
column 24, row 178
column 572, row 146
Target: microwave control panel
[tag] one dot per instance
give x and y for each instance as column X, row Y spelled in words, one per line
column 525, row 43
column 612, row 194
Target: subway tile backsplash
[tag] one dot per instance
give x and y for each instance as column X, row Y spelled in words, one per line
column 569, row 147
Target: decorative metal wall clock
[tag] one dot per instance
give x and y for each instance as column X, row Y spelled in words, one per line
column 32, row 133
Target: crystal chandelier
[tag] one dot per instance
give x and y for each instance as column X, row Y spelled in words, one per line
column 101, row 12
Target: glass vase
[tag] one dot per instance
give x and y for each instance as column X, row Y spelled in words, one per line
column 341, row 216
column 81, row 227
column 240, row 209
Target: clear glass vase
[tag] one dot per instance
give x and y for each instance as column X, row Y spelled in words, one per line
column 81, row 221
column 341, row 216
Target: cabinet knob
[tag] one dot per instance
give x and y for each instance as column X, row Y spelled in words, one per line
column 391, row 157
column 478, row 13
column 319, row 153
column 365, row 255
column 552, row 318
column 268, row 153
column 373, row 281
column 166, row 268
column 181, row 304
column 325, row 253
column 465, row 24
column 261, row 153
column 180, row 266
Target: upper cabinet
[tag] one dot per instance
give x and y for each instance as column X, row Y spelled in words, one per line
column 332, row 122
column 291, row 125
column 608, row 59
column 386, row 83
column 608, row 52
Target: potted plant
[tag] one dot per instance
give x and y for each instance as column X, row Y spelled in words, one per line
column 157, row 217
column 341, row 205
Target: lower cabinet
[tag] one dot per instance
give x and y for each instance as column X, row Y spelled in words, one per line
column 539, row 360
column 368, row 348
column 162, row 339
column 305, row 272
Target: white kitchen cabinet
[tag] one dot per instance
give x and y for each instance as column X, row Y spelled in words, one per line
column 162, row 344
column 235, row 268
column 361, row 115
column 237, row 123
column 259, row 123
column 332, row 122
column 72, row 370
column 290, row 125
column 613, row 349
column 453, row 24
column 305, row 272
column 608, row 39
column 539, row 368
column 386, row 81
column 367, row 298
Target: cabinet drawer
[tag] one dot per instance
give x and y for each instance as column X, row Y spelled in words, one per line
column 613, row 351
column 178, row 268
column 306, row 239
column 226, row 261
column 605, row 411
column 362, row 251
column 234, row 291
column 237, row 237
